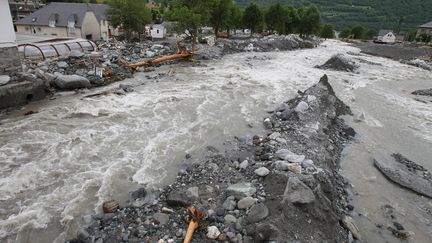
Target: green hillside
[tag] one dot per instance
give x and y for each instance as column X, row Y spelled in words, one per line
column 376, row 14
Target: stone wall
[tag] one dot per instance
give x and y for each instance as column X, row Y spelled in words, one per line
column 9, row 60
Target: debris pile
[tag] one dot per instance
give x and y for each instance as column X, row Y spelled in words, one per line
column 280, row 187
column 339, row 62
column 424, row 92
column 420, row 63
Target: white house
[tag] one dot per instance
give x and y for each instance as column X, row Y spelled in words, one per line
column 386, row 36
column 73, row 20
column 157, row 31
column 9, row 57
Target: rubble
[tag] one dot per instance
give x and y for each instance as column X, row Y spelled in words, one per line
column 420, row 63
column 339, row 63
column 241, row 205
column 424, row 92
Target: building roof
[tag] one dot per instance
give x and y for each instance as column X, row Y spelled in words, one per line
column 62, row 12
column 427, row 25
column 384, row 32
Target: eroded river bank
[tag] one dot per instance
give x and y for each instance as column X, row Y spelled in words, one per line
column 63, row 162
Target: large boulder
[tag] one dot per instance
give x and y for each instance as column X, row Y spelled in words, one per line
column 297, row 192
column 241, row 190
column 339, row 63
column 71, row 82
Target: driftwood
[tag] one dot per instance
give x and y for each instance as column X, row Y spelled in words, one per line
column 182, row 54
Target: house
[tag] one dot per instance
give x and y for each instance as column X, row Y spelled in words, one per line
column 74, row 20
column 21, row 8
column 386, row 36
column 156, row 31
column 425, row 29
column 9, row 57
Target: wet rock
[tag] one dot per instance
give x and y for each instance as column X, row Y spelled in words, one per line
column 246, row 202
column 307, row 163
column 110, row 206
column 243, row 165
column 213, row 232
column 339, row 63
column 295, row 167
column 297, row 192
column 352, row 227
column 281, row 165
column 230, row 219
column 302, row 107
column 257, row 213
column 62, row 64
column 162, row 218
column 287, row 114
column 193, row 192
column 424, row 92
column 241, row 190
column 139, row 193
column 178, row 199
column 267, row 123
column 229, row 203
column 126, row 88
column 83, row 235
column 4, row 79
column 71, row 82
column 420, row 63
column 287, row 155
column 411, row 177
column 262, row 171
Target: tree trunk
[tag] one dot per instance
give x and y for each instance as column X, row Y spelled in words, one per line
column 216, row 30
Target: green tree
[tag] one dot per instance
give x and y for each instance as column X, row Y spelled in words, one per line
column 345, row 33
column 292, row 21
column 131, row 15
column 368, row 35
column 221, row 14
column 411, row 35
column 358, row 32
column 253, row 18
column 276, row 18
column 309, row 21
column 190, row 15
column 235, row 18
column 327, row 31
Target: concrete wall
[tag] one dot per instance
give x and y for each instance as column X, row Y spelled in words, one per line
column 90, row 26
column 9, row 58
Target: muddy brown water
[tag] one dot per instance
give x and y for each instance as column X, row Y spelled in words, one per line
column 60, row 164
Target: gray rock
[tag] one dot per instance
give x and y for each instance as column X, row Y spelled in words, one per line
column 241, row 190
column 71, row 82
column 83, row 235
column 4, row 79
column 340, row 62
column 229, row 203
column 287, row 155
column 267, row 123
column 262, row 171
column 307, row 163
column 212, row 232
column 281, row 165
column 257, row 213
column 178, row 198
column 246, row 202
column 352, row 227
column 243, row 165
column 162, row 218
column 297, row 192
column 287, row 114
column 302, row 107
column 62, row 64
column 193, row 192
column 230, row 219
column 75, row 53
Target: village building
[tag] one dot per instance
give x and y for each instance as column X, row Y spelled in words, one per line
column 9, row 57
column 74, row 20
column 425, row 29
column 386, row 36
column 156, row 31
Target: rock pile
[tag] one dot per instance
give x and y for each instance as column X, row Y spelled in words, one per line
column 339, row 62
column 424, row 92
column 420, row 63
column 280, row 187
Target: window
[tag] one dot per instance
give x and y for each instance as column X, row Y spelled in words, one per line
column 71, row 27
column 157, row 31
column 39, row 29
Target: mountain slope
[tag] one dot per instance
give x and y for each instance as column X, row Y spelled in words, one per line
column 376, row 14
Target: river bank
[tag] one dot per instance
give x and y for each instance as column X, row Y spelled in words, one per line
column 283, row 186
column 61, row 163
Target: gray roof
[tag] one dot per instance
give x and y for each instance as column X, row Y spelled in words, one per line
column 427, row 25
column 63, row 12
column 384, row 32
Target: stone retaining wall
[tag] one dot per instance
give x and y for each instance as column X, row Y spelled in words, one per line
column 9, row 60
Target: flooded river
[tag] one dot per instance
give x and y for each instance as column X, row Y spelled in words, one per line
column 60, row 164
